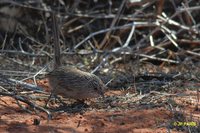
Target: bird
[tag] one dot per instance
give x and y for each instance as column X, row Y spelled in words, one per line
column 70, row 82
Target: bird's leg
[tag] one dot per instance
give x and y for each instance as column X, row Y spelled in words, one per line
column 48, row 99
column 56, row 97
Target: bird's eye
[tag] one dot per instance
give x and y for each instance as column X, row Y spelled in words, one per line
column 95, row 88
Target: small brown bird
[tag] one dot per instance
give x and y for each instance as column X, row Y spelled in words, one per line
column 72, row 83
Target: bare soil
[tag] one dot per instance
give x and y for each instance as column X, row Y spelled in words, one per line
column 137, row 119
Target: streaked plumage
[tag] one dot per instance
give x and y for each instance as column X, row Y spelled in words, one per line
column 70, row 82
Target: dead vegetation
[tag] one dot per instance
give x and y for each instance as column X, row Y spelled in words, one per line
column 146, row 50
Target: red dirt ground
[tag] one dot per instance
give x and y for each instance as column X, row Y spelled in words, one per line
column 134, row 120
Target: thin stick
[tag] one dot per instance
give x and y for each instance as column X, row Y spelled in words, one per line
column 57, row 61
